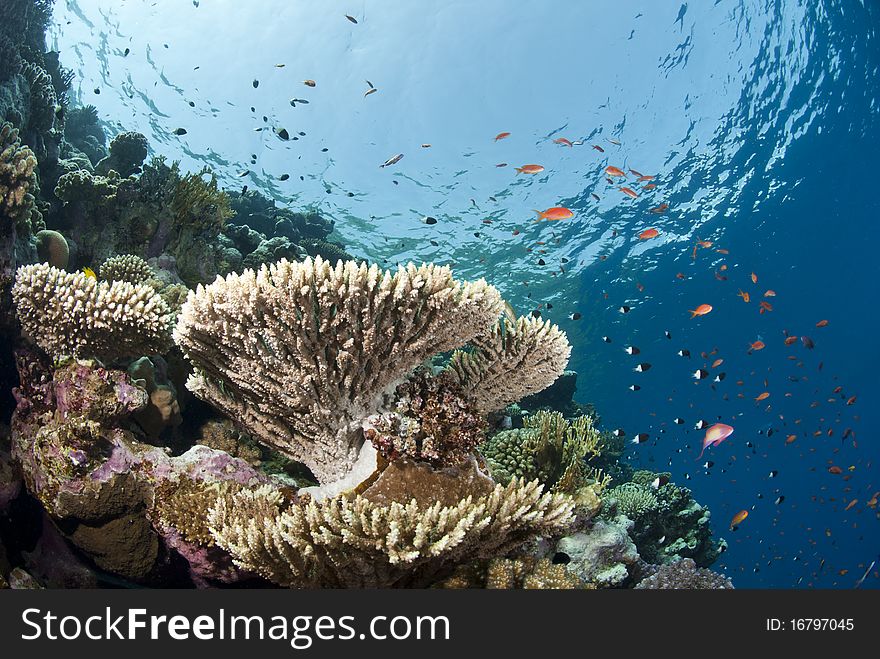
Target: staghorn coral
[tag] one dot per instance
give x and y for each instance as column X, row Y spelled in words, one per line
column 18, row 180
column 52, row 248
column 127, row 153
column 72, row 314
column 301, row 353
column 223, row 436
column 535, row 351
column 126, row 267
column 352, row 542
column 685, row 574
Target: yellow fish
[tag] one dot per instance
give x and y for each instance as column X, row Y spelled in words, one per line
column 88, row 272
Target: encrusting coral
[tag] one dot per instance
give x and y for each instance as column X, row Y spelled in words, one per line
column 527, row 573
column 126, row 267
column 73, row 314
column 301, row 353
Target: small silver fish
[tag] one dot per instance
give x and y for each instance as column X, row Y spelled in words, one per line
column 393, row 160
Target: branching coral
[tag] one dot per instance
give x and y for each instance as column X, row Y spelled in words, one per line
column 685, row 574
column 81, row 187
column 345, row 541
column 200, row 202
column 17, row 179
column 549, row 448
column 301, row 353
column 44, row 103
column 72, row 314
column 635, row 501
column 535, row 350
column 126, row 267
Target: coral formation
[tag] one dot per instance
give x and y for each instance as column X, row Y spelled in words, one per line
column 603, row 554
column 684, row 574
column 351, row 542
column 301, row 353
column 527, row 573
column 430, row 422
column 73, row 314
column 669, row 524
column 18, row 181
column 127, row 153
column 483, row 373
column 126, row 267
column 52, row 248
column 550, row 448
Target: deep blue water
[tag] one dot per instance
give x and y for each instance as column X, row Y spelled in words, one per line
column 758, row 119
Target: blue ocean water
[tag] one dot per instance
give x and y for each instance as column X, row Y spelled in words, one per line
column 758, row 120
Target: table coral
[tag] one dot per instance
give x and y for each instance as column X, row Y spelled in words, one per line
column 301, row 353
column 73, row 314
column 351, row 542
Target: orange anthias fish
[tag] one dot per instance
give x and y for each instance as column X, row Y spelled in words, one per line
column 662, row 208
column 614, row 171
column 562, row 141
column 529, row 169
column 650, row 186
column 701, row 310
column 648, row 233
column 762, row 396
column 501, row 136
column 790, row 339
column 629, row 192
column 738, row 519
column 644, row 177
column 757, row 345
column 766, row 306
column 744, row 296
column 705, row 244
column 835, row 470
column 754, row 278
column 770, row 293
column 718, row 362
column 555, row 213
column 822, row 323
column 715, row 434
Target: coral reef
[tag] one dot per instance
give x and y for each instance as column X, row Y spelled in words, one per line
column 602, row 555
column 74, row 436
column 82, row 130
column 18, row 181
column 527, row 573
column 684, row 574
column 352, row 542
column 430, row 422
column 73, row 314
column 52, row 248
column 483, row 373
column 554, row 450
column 127, row 153
column 669, row 524
column 126, row 267
column 302, row 381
